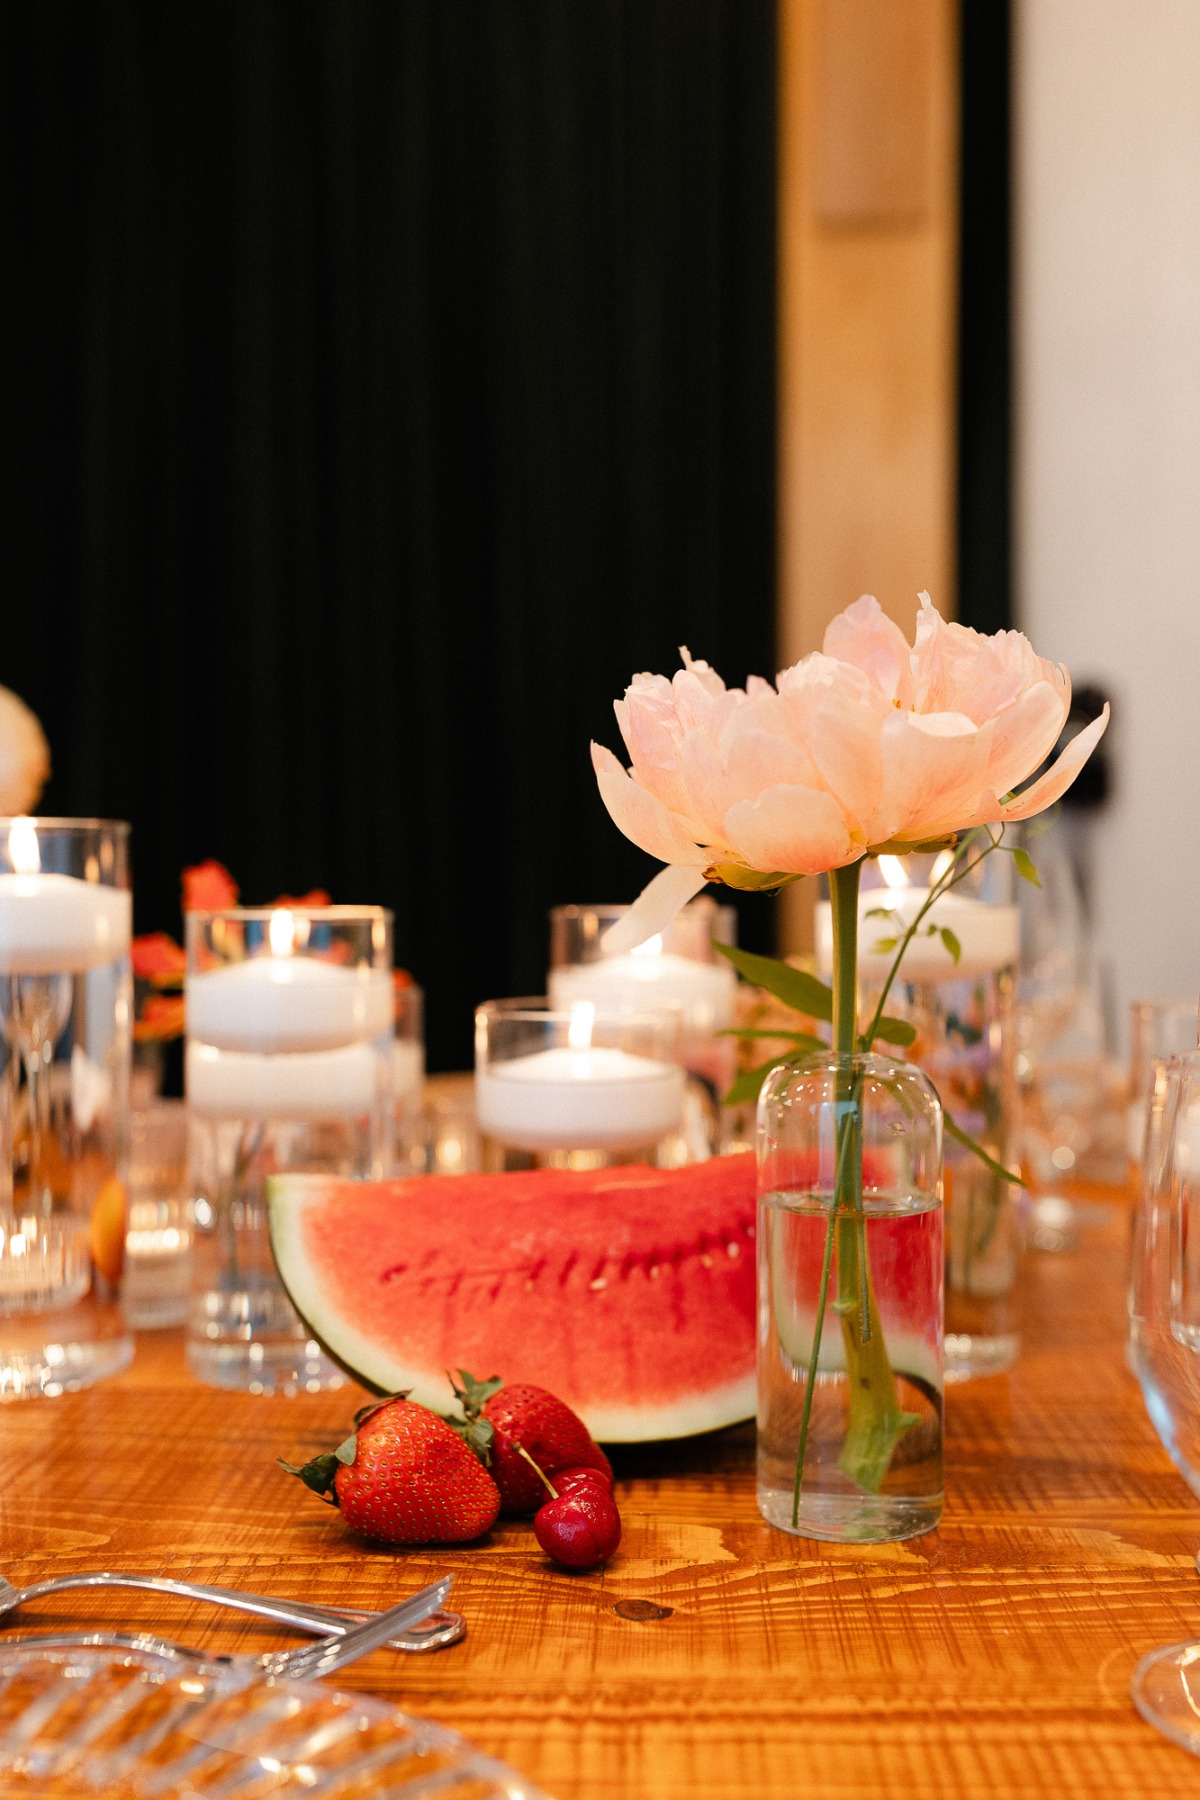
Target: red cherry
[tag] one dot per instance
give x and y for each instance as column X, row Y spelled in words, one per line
column 570, row 1481
column 579, row 1530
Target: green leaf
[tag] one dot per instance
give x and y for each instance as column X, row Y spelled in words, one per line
column 1026, row 868
column 795, row 987
column 968, row 1143
column 880, row 912
column 882, row 944
column 750, row 1080
column 895, row 1031
column 951, row 942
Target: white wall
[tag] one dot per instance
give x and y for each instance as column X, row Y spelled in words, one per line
column 1108, row 431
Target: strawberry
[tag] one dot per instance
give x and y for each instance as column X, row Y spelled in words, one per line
column 511, row 1428
column 404, row 1476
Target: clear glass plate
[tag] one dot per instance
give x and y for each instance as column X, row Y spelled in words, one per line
column 139, row 1725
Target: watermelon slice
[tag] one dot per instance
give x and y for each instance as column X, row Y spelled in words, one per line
column 629, row 1292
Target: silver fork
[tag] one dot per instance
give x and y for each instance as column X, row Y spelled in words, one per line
column 306, row 1663
column 433, row 1633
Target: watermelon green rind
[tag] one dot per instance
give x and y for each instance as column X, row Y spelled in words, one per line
column 628, row 1292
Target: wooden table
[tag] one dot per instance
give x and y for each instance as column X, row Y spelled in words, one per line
column 989, row 1658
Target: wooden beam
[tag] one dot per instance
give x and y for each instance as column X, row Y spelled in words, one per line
column 868, row 241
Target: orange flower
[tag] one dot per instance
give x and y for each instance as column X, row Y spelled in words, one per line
column 209, row 887
column 315, row 897
column 162, row 1017
column 158, row 958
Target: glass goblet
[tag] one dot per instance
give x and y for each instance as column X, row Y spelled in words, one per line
column 1165, row 1351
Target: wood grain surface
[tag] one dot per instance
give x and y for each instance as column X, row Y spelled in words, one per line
column 991, row 1657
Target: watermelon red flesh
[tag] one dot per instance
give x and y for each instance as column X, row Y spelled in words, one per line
column 629, row 1292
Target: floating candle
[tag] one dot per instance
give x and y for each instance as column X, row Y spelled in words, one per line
column 314, row 1084
column 989, row 936
column 286, row 1003
column 52, row 924
column 598, row 1098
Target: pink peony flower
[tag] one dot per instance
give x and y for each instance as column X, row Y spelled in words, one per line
column 867, row 745
column 24, row 756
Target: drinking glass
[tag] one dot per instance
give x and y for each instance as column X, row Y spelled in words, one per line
column 289, row 1067
column 65, row 1018
column 408, row 1077
column 158, row 1242
column 1158, row 1030
column 677, row 968
column 1165, row 1345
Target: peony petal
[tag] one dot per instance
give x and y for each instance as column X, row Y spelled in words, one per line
column 796, row 830
column 24, row 756
column 935, row 767
column 643, row 818
column 1054, row 783
column 653, row 909
column 864, row 636
column 1024, row 734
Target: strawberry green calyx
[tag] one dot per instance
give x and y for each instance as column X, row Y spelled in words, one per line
column 319, row 1471
column 476, row 1432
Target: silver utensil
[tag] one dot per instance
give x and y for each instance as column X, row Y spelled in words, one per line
column 433, row 1633
column 307, row 1663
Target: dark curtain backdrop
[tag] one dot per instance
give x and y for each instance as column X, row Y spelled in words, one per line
column 984, row 318
column 384, row 381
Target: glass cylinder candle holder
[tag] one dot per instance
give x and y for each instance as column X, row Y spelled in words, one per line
column 408, row 1078
column 678, row 968
column 65, row 1034
column 289, row 1066
column 963, row 1013
column 575, row 1089
column 850, row 1283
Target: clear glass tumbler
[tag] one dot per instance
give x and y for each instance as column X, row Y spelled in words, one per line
column 575, row 1089
column 1165, row 1346
column 65, row 1022
column 408, row 1078
column 289, row 1066
column 158, row 1242
column 850, row 1282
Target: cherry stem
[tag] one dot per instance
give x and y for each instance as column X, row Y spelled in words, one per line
column 521, row 1451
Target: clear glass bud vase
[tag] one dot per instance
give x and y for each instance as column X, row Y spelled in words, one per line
column 850, row 1282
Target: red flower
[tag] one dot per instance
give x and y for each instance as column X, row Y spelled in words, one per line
column 315, row 897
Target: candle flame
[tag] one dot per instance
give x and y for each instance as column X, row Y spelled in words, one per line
column 941, row 866
column 23, row 853
column 652, row 947
column 282, row 932
column 894, row 873
column 579, row 1031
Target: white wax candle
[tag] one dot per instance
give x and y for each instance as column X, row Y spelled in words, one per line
column 283, row 1003
column 307, row 1084
column 989, row 936
column 595, row 1099
column 704, row 992
column 51, row 924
